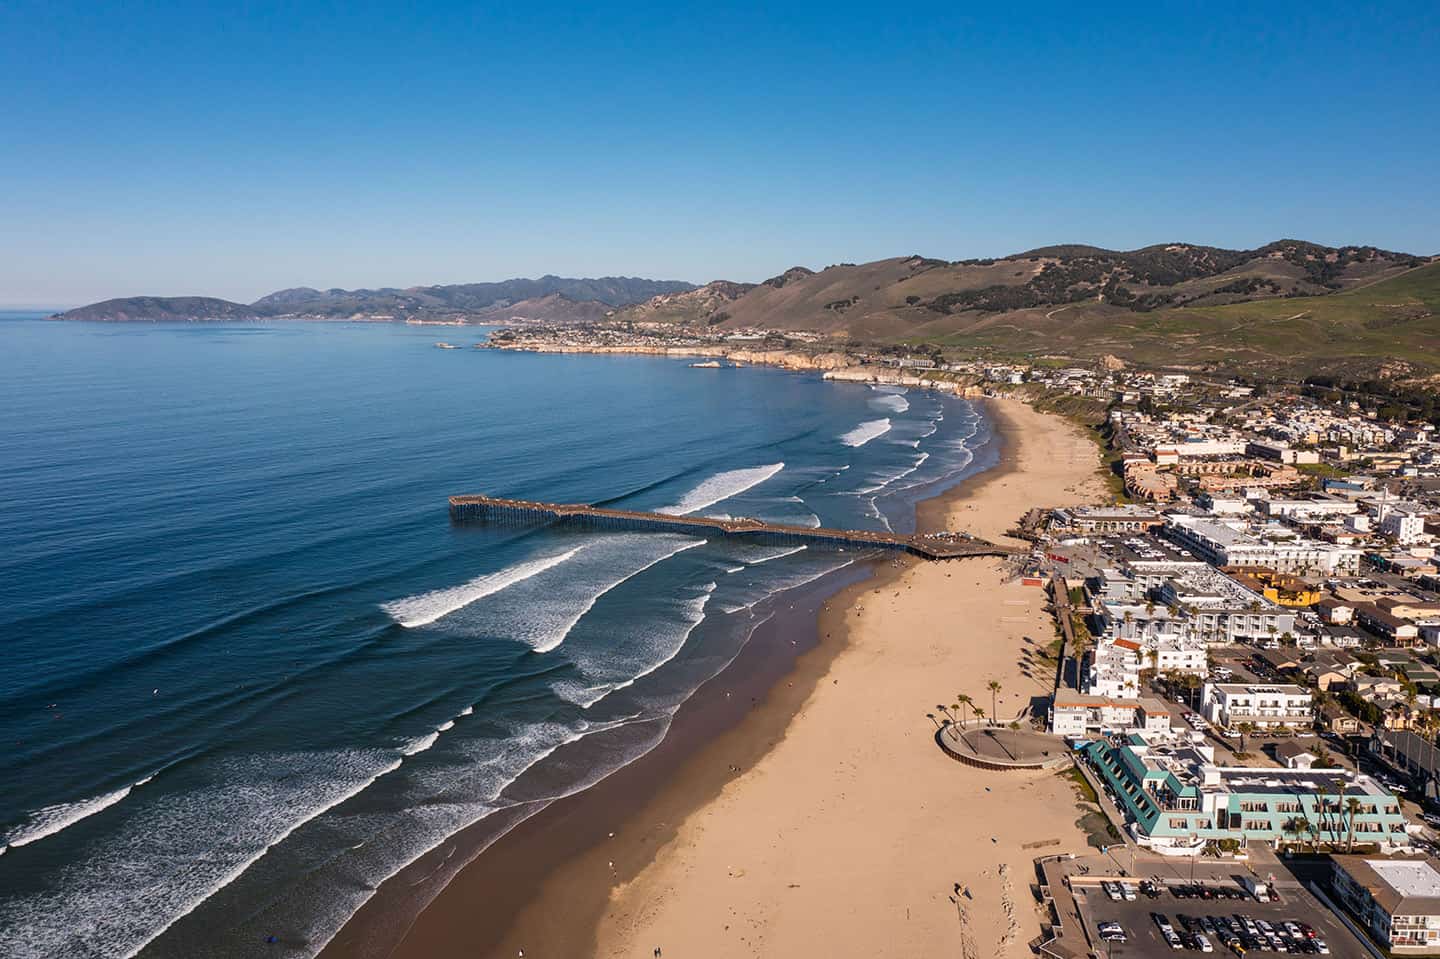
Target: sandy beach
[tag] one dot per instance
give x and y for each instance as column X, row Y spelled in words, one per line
column 822, row 818
column 849, row 838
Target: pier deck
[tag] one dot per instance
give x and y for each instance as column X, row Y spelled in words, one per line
column 468, row 509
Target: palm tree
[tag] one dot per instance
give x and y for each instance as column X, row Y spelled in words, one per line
column 979, row 713
column 1353, row 805
column 944, row 710
column 994, row 687
column 963, row 699
column 1320, row 810
column 956, row 708
column 1302, row 826
column 1246, row 728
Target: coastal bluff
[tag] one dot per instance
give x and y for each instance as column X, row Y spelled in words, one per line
column 835, row 365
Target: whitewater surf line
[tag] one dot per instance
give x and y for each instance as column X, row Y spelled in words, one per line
column 425, row 608
column 554, row 640
column 865, row 432
column 721, row 487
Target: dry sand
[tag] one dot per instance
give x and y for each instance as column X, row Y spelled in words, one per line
column 850, row 836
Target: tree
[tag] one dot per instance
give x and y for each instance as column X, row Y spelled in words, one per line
column 1353, row 805
column 994, row 687
column 979, row 713
column 1246, row 728
column 963, row 700
column 1320, row 795
column 1303, row 826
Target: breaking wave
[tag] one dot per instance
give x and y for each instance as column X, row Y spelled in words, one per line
column 866, row 432
column 425, row 608
column 720, row 487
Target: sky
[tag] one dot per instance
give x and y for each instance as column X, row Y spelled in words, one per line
column 235, row 149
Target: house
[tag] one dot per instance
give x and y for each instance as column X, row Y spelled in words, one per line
column 1293, row 755
column 1265, row 706
column 1338, row 721
column 1342, row 637
column 1334, row 610
column 1392, row 629
column 1279, row 661
column 1396, row 899
column 1377, row 687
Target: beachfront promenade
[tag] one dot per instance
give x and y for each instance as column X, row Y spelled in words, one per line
column 488, row 509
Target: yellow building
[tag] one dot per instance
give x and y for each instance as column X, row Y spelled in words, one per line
column 1281, row 588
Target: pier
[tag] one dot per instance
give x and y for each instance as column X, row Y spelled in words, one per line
column 488, row 509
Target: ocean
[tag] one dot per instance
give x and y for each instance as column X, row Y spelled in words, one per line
column 253, row 670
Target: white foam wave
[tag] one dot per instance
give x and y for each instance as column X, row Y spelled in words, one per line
column 780, row 554
column 466, row 711
column 425, row 608
column 894, row 477
column 695, row 613
column 890, row 401
column 866, row 432
column 120, row 892
column 447, row 724
column 420, row 744
column 556, row 637
column 722, row 486
column 49, row 820
column 787, row 585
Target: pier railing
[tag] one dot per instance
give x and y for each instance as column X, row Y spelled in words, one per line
column 489, row 509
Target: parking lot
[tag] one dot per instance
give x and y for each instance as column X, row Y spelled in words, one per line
column 1144, row 938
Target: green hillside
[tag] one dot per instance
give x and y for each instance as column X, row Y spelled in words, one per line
column 1358, row 329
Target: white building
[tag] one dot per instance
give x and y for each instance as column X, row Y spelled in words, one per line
column 1234, row 543
column 1114, row 669
column 1076, row 714
column 1266, row 706
column 1404, row 525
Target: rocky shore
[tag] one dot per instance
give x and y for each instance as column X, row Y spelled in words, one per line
column 835, row 365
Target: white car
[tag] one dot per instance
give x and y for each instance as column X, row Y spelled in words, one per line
column 1128, row 891
column 1112, row 932
column 1113, row 891
column 1202, row 943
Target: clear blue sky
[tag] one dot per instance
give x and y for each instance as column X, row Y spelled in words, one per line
column 236, row 149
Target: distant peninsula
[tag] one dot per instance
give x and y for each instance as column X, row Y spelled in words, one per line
column 548, row 299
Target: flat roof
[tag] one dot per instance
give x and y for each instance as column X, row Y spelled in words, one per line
column 1411, row 878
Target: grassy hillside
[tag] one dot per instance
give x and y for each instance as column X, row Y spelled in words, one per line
column 1357, row 329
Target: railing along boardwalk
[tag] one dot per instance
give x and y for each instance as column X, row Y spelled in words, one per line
column 469, row 509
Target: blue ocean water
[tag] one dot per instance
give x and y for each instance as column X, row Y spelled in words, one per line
column 254, row 670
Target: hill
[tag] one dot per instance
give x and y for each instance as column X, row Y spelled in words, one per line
column 465, row 301
column 915, row 296
column 162, row 308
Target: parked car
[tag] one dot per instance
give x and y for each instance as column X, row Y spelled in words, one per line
column 1112, row 932
column 1201, row 942
column 1128, row 891
column 1112, row 890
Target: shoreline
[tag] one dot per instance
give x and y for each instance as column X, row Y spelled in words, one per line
column 563, row 861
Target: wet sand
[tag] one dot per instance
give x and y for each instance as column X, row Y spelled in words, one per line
column 799, row 804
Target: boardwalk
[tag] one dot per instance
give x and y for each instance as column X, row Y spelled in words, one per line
column 466, row 509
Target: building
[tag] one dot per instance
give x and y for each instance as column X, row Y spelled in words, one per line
column 1076, row 714
column 1404, row 525
column 1176, row 800
column 1397, row 900
column 1114, row 669
column 1279, row 588
column 1110, row 519
column 1234, row 543
column 1391, row 629
column 1264, row 706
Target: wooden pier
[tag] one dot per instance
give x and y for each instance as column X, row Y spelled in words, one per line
column 487, row 509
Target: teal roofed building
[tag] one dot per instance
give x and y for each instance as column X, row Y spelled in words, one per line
column 1176, row 799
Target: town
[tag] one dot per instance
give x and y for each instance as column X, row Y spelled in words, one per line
column 1247, row 644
